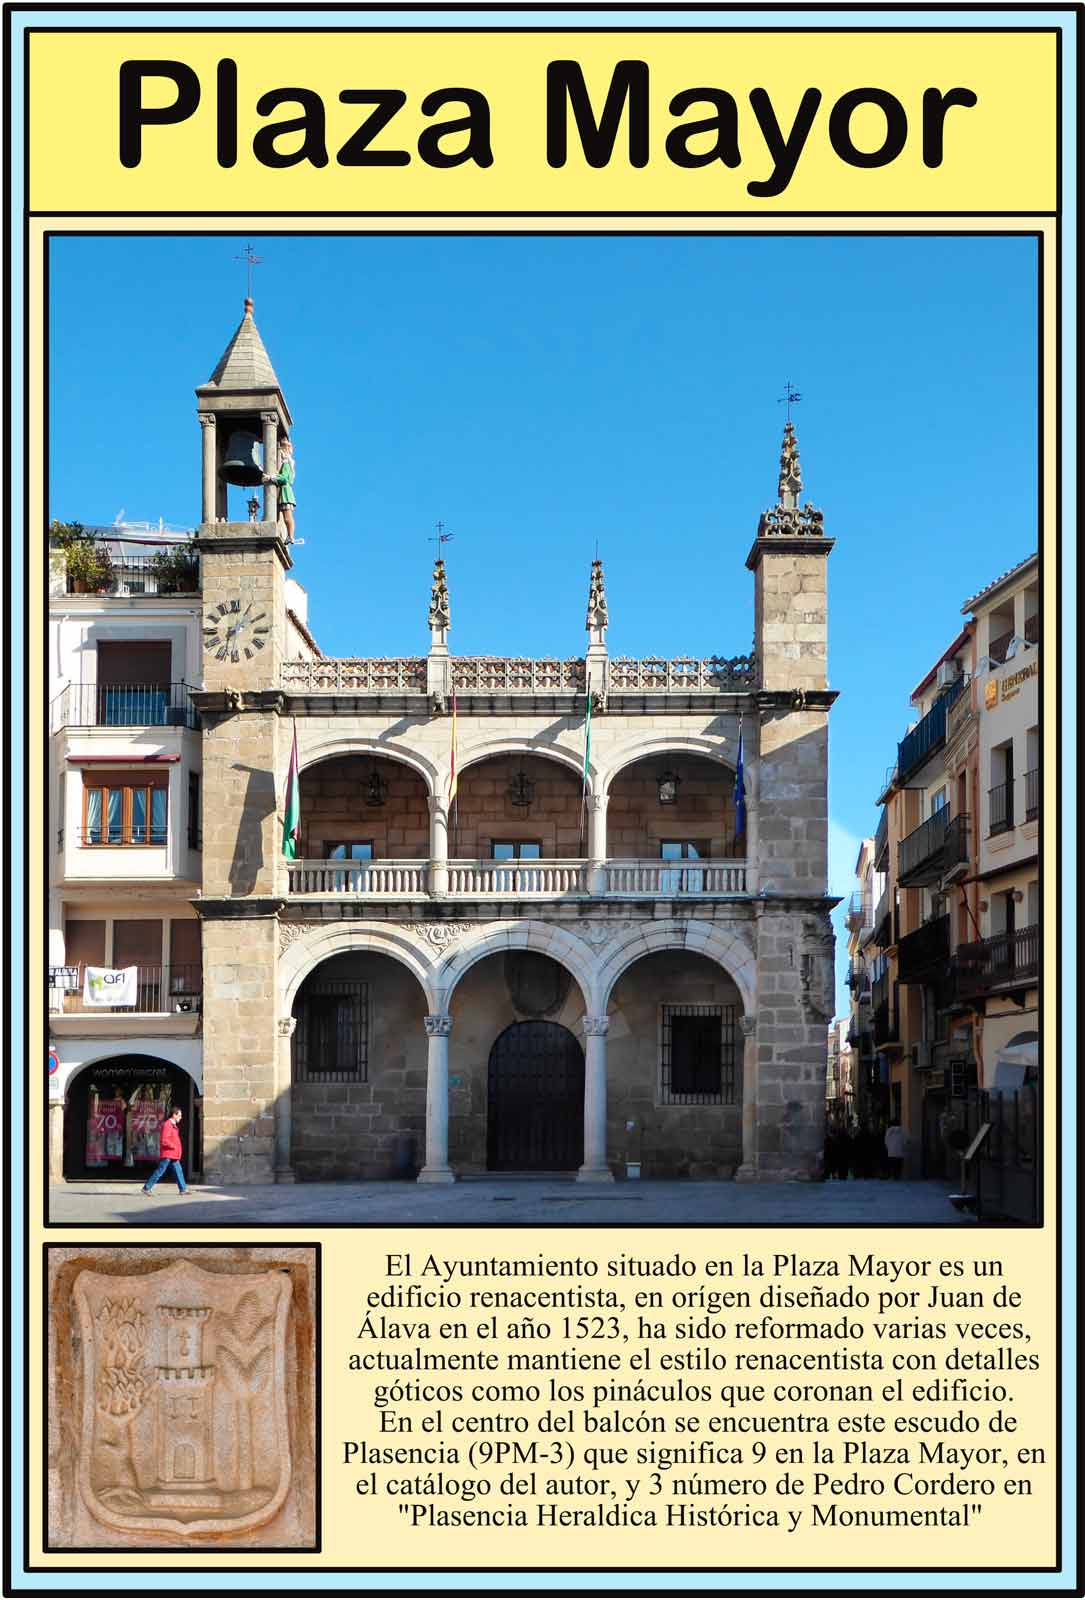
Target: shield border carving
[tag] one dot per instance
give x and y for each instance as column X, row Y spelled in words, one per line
column 181, row 1272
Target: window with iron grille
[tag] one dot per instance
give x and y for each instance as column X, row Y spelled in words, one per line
column 331, row 1040
column 697, row 1056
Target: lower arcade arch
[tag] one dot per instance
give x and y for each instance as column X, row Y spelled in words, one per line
column 113, row 1110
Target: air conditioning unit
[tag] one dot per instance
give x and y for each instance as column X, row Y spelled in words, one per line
column 923, row 1054
column 948, row 673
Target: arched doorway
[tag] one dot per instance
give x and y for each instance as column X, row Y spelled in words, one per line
column 535, row 1100
column 112, row 1115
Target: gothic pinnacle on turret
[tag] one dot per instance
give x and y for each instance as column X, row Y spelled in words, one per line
column 244, row 364
column 790, row 485
column 597, row 603
column 245, row 422
column 440, row 615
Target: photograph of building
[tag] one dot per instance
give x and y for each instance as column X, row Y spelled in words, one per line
column 533, row 915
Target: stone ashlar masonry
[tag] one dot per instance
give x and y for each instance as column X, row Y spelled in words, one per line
column 771, row 947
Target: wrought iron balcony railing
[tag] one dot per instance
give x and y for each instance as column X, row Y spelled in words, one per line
column 881, row 841
column 885, row 1011
column 124, row 705
column 1006, row 958
column 919, row 856
column 859, row 913
column 922, row 955
column 159, row 987
column 885, row 929
column 927, row 734
column 955, row 852
column 1032, row 794
column 1000, row 808
column 1032, row 629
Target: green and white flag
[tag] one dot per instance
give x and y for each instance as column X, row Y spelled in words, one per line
column 292, row 808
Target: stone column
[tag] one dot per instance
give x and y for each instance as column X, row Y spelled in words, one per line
column 595, row 1169
column 270, row 423
column 747, row 1172
column 597, row 843
column 436, row 1169
column 56, row 1141
column 438, row 845
column 284, row 1110
column 210, row 467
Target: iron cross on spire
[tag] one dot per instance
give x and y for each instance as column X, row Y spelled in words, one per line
column 440, row 537
column 790, row 397
column 251, row 259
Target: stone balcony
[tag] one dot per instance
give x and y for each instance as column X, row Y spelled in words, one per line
column 518, row 880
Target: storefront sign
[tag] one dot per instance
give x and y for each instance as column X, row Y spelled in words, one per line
column 110, row 986
column 1013, row 683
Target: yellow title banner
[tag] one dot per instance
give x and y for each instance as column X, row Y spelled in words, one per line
column 690, row 121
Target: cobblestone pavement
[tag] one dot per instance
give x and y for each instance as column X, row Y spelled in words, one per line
column 501, row 1202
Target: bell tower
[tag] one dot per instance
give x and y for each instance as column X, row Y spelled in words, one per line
column 244, row 561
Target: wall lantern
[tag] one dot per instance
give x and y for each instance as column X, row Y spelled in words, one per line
column 668, row 788
column 521, row 790
column 376, row 789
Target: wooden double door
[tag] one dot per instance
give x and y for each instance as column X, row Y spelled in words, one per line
column 535, row 1110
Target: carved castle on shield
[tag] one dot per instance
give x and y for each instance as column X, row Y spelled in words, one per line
column 185, row 1424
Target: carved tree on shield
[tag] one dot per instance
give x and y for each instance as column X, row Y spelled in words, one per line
column 245, row 1361
column 123, row 1386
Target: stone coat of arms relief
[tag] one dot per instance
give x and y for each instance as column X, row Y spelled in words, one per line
column 184, row 1404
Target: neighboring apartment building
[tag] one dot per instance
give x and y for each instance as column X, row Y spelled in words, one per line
column 957, row 927
column 869, row 1100
column 530, row 923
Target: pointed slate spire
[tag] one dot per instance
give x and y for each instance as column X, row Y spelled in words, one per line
column 244, row 364
column 790, row 485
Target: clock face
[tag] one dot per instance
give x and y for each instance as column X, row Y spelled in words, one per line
column 233, row 631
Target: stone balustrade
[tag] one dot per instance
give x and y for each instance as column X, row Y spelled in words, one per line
column 544, row 880
column 521, row 675
column 356, row 675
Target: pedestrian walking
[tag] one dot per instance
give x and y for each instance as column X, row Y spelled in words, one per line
column 896, row 1143
column 169, row 1148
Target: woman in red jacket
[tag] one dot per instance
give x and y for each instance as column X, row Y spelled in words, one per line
column 169, row 1148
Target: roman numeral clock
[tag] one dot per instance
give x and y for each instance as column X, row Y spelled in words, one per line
column 234, row 632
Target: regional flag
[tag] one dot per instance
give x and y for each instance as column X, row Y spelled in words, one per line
column 740, row 789
column 292, row 808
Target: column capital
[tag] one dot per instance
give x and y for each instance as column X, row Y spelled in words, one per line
column 267, row 417
column 287, row 1026
column 596, row 1027
column 438, row 805
column 598, row 802
column 748, row 1024
column 207, row 419
column 438, row 1026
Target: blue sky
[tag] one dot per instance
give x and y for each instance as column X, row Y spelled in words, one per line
column 541, row 395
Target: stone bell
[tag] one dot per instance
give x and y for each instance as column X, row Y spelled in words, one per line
column 241, row 460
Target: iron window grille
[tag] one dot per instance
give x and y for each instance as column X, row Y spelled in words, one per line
column 697, row 1056
column 331, row 1040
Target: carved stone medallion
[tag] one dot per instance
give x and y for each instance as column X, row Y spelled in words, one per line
column 184, row 1412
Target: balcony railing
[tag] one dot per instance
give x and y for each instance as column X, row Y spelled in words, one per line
column 170, row 573
column 923, row 954
column 960, row 711
column 172, row 987
column 1032, row 629
column 881, row 841
column 124, row 705
column 927, row 735
column 885, row 1010
column 517, row 675
column 1032, row 794
column 996, row 650
column 956, row 850
column 884, row 920
column 1000, row 808
column 1007, row 958
column 675, row 878
column 858, row 914
column 487, row 879
column 919, row 856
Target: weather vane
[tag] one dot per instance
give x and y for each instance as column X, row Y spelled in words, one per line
column 251, row 259
column 790, row 397
column 440, row 537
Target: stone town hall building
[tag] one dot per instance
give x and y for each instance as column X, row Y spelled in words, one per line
column 542, row 980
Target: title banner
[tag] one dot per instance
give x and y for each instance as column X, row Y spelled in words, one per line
column 693, row 121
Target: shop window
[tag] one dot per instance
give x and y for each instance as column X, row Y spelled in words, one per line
column 697, row 1056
